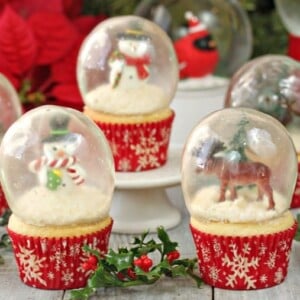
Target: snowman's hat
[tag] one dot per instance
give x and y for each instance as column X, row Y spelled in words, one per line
column 133, row 34
column 59, row 129
column 193, row 22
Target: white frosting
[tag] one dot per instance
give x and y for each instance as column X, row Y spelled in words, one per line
column 144, row 99
column 81, row 204
column 246, row 208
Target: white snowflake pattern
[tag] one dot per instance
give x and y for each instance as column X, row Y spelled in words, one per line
column 263, row 278
column 278, row 276
column 262, row 249
column 146, row 150
column 240, row 266
column 217, row 248
column 214, row 274
column 283, row 246
column 271, row 262
column 246, row 248
column 31, row 265
column 50, row 275
column 205, row 253
column 126, row 137
column 124, row 164
column 165, row 133
column 58, row 257
column 75, row 249
column 67, row 277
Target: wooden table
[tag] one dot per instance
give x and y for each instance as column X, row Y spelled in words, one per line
column 11, row 288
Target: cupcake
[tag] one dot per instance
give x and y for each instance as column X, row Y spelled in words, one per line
column 270, row 84
column 127, row 74
column 10, row 110
column 57, row 173
column 239, row 170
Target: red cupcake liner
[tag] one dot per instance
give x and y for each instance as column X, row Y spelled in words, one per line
column 138, row 147
column 243, row 263
column 3, row 203
column 56, row 263
column 296, row 196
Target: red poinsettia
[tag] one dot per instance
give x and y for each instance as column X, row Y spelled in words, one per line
column 39, row 44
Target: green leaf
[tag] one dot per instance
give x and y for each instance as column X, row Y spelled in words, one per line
column 4, row 218
column 297, row 236
column 121, row 260
column 112, row 270
column 82, row 294
column 168, row 245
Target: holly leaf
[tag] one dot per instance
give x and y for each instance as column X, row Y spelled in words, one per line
column 168, row 245
column 105, row 276
column 118, row 269
column 55, row 35
column 297, row 236
column 82, row 294
column 121, row 261
column 17, row 43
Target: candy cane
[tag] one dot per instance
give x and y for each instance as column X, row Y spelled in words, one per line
column 75, row 176
column 65, row 162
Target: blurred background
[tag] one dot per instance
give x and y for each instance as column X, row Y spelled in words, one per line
column 269, row 34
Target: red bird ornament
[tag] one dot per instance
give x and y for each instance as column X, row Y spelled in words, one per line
column 196, row 52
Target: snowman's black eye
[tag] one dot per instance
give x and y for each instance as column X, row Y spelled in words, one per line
column 54, row 148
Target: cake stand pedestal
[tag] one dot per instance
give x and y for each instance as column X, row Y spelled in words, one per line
column 140, row 202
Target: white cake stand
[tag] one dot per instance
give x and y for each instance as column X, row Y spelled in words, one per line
column 140, row 202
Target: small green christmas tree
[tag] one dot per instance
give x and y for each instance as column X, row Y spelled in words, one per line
column 239, row 140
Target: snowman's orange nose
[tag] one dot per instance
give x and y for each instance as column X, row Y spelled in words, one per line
column 60, row 153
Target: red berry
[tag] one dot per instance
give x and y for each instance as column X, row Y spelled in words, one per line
column 173, row 255
column 120, row 276
column 131, row 274
column 137, row 262
column 143, row 257
column 86, row 266
column 93, row 260
column 147, row 264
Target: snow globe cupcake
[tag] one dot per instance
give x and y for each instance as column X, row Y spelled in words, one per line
column 239, row 169
column 127, row 74
column 57, row 173
column 10, row 110
column 270, row 84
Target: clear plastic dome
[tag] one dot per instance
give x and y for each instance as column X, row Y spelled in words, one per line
column 220, row 22
column 10, row 106
column 289, row 11
column 56, row 168
column 127, row 65
column 271, row 84
column 239, row 165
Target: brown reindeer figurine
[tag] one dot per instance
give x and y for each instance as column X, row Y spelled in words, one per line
column 234, row 173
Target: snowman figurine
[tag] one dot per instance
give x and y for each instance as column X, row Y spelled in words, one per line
column 129, row 64
column 59, row 167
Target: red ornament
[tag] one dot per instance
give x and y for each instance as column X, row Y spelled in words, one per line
column 196, row 52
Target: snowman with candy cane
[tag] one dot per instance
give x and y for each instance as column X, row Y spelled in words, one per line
column 59, row 167
column 129, row 64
